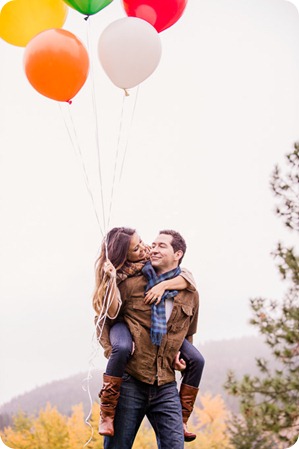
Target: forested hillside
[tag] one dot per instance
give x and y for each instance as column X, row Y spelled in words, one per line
column 235, row 354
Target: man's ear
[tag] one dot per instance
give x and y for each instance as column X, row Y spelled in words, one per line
column 178, row 254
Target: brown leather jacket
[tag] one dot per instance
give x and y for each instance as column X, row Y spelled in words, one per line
column 150, row 363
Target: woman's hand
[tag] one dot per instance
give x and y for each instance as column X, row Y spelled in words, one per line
column 109, row 269
column 179, row 364
column 154, row 295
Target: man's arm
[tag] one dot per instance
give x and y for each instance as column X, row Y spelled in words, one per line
column 178, row 363
column 193, row 323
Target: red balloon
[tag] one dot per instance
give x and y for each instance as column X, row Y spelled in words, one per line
column 161, row 14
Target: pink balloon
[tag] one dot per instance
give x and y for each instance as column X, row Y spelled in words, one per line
column 161, row 14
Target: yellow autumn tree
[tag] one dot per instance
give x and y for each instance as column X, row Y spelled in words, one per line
column 145, row 438
column 79, row 431
column 94, row 440
column 209, row 423
column 52, row 430
column 47, row 431
column 20, row 436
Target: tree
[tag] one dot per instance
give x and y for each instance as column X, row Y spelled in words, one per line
column 94, row 440
column 210, row 424
column 269, row 402
column 52, row 430
column 79, row 431
column 20, row 435
column 145, row 438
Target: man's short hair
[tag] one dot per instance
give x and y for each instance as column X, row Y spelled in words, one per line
column 178, row 242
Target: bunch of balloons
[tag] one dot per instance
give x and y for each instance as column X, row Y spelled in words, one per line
column 56, row 62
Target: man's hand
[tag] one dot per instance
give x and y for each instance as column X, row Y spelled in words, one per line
column 179, row 364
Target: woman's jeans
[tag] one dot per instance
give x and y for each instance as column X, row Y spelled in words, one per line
column 121, row 342
column 161, row 405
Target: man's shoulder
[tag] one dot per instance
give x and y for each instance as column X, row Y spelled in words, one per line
column 190, row 297
column 193, row 294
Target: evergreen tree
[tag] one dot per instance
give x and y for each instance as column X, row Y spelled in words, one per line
column 269, row 403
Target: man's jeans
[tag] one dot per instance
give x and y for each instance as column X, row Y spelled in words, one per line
column 161, row 405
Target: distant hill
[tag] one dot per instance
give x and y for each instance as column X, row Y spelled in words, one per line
column 235, row 354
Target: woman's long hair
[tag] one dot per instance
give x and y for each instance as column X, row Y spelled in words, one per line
column 115, row 247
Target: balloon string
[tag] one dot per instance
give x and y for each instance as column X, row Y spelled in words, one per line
column 128, row 135
column 116, row 160
column 97, row 334
column 77, row 150
column 95, row 111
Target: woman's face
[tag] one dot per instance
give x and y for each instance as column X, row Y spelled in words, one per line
column 136, row 250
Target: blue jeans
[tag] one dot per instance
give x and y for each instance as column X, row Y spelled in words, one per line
column 121, row 342
column 194, row 364
column 161, row 405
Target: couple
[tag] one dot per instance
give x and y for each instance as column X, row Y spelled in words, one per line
column 153, row 312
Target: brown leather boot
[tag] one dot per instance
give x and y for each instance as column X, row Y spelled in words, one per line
column 108, row 395
column 187, row 395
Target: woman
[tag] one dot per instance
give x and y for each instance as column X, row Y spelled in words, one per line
column 123, row 254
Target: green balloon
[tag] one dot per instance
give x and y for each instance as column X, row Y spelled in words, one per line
column 88, row 7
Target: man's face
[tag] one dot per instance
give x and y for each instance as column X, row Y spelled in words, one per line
column 162, row 256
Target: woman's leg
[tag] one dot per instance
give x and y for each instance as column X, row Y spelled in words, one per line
column 190, row 382
column 195, row 364
column 130, row 412
column 121, row 342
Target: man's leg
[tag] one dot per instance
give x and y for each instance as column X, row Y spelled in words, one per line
column 129, row 414
column 165, row 415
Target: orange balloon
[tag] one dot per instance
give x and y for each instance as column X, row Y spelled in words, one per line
column 56, row 64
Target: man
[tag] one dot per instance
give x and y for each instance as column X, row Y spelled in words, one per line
column 149, row 387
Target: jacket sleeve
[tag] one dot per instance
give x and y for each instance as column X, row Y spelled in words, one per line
column 103, row 335
column 188, row 276
column 193, row 324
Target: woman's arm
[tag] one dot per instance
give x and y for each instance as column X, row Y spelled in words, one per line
column 112, row 296
column 184, row 281
column 102, row 333
column 114, row 300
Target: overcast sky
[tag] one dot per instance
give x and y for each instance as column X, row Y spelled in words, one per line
column 200, row 137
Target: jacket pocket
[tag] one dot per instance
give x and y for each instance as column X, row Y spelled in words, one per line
column 181, row 317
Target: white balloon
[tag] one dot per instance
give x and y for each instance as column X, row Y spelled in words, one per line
column 129, row 50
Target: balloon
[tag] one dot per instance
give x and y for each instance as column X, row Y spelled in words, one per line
column 88, row 7
column 129, row 50
column 159, row 13
column 56, row 64
column 21, row 20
